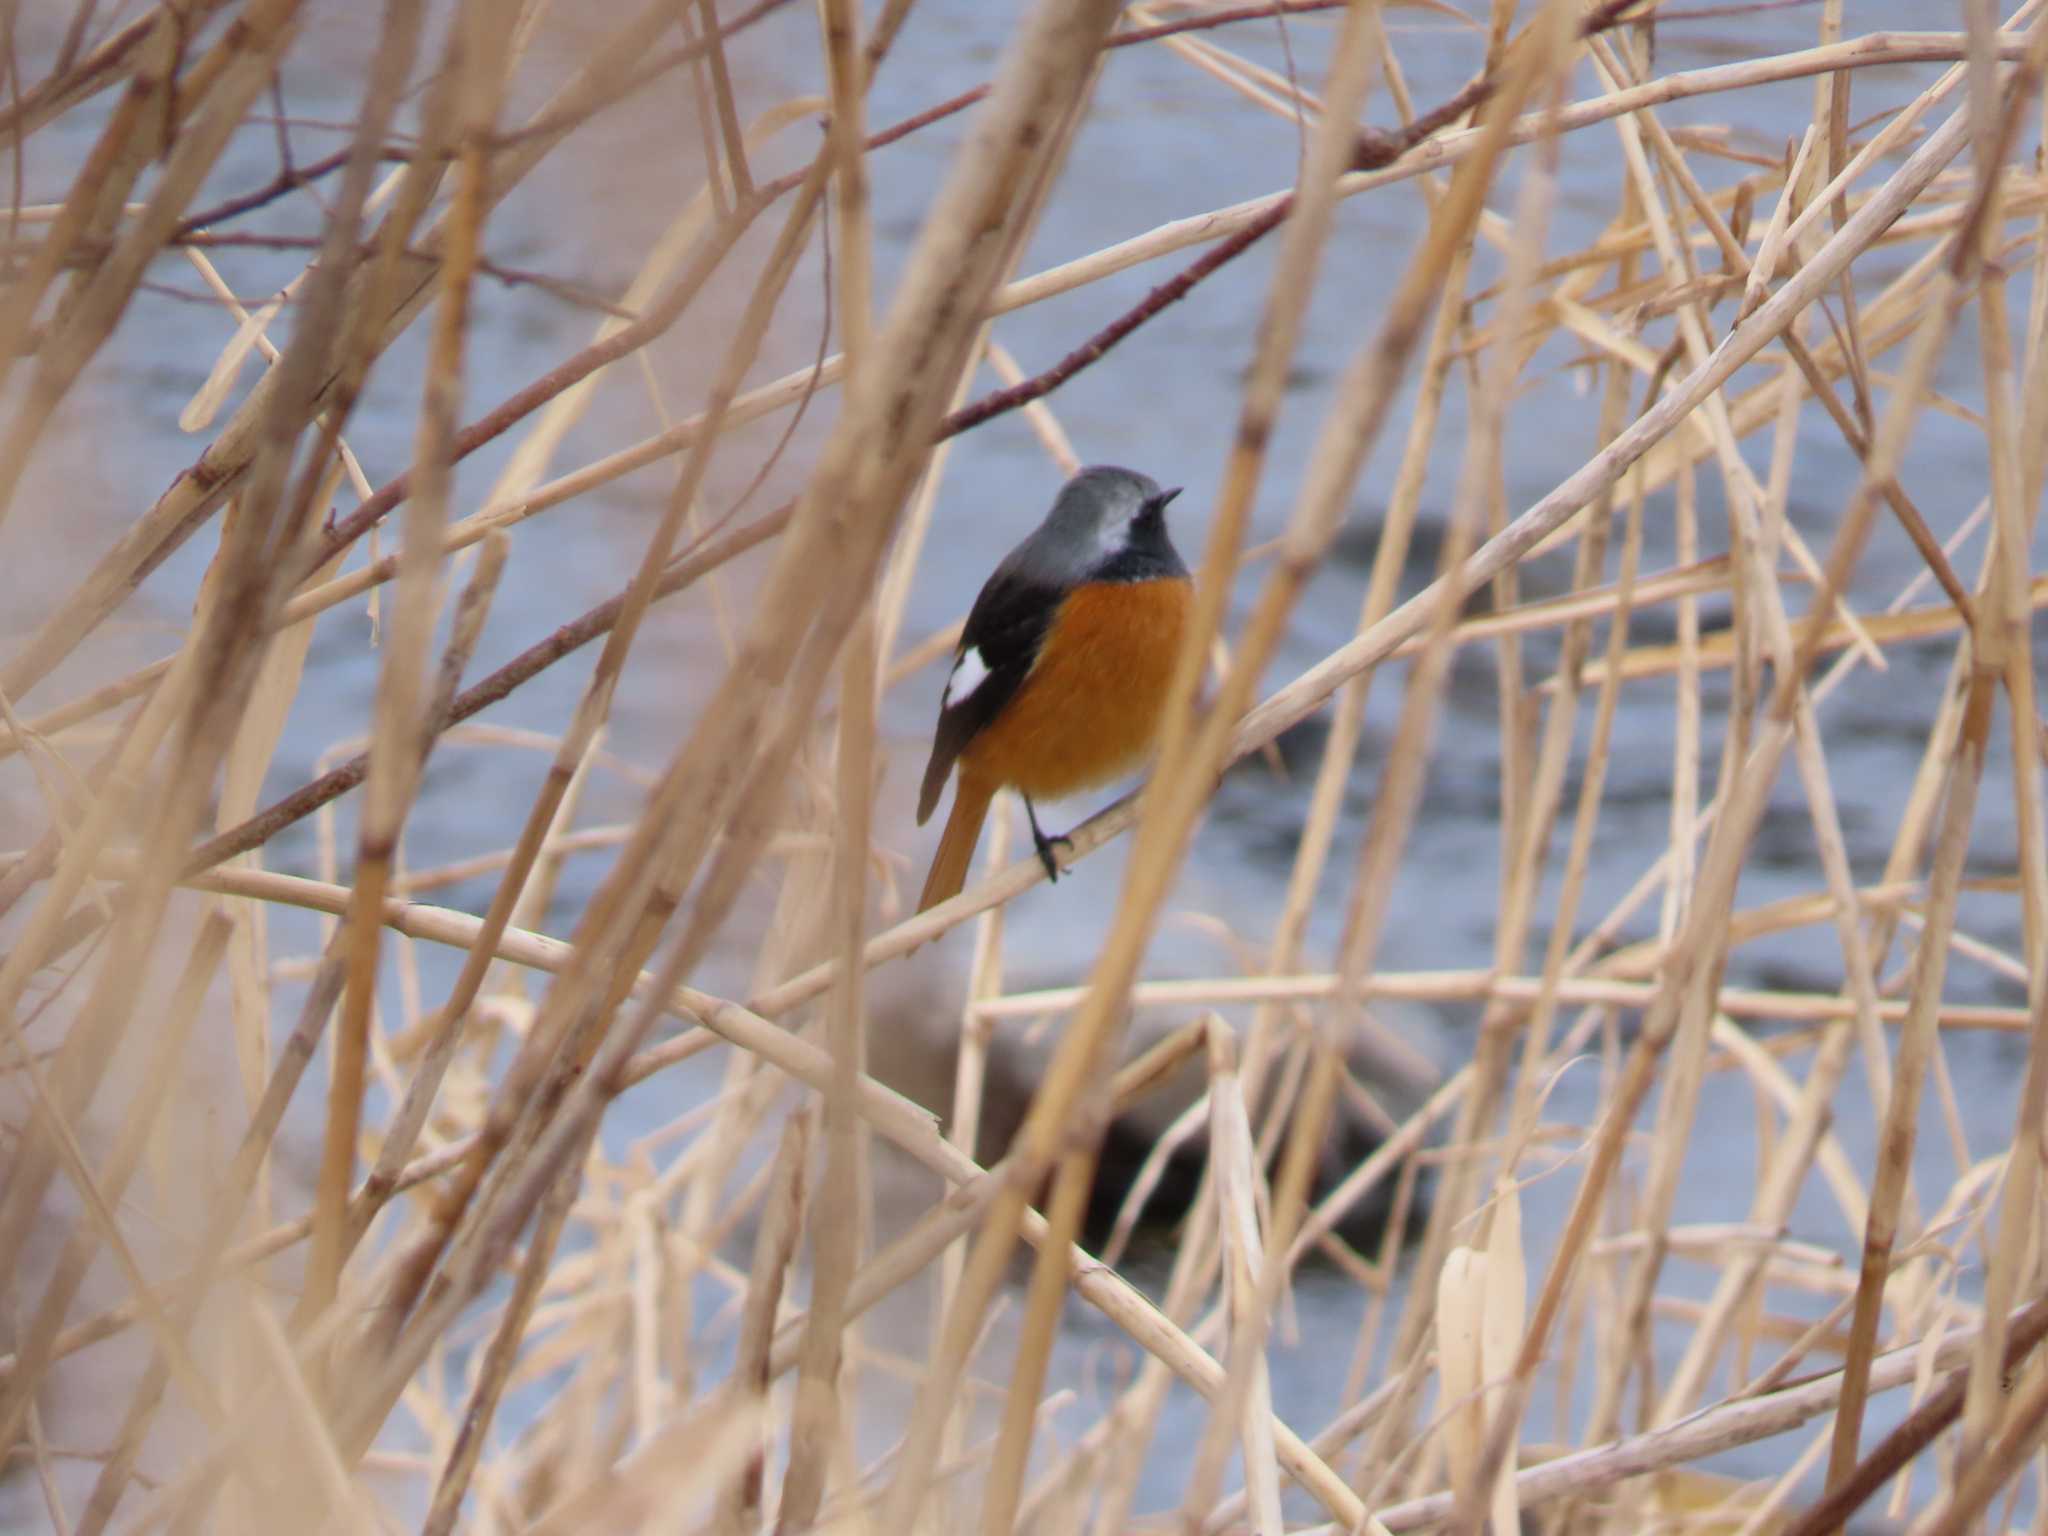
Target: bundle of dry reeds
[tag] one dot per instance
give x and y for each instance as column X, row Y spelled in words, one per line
column 498, row 1289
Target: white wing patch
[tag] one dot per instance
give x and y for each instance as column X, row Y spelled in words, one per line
column 969, row 673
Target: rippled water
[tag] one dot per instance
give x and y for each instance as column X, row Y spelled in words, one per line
column 1161, row 142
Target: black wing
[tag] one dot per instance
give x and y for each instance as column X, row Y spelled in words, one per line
column 1004, row 630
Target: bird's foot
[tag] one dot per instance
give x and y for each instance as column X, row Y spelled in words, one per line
column 1045, row 846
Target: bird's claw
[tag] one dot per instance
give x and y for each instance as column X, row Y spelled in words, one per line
column 1045, row 846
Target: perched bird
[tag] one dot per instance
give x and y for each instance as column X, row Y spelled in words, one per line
column 1060, row 676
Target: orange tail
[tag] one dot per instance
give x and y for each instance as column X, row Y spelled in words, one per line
column 971, row 797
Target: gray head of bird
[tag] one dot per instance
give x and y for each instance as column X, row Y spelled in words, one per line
column 1098, row 510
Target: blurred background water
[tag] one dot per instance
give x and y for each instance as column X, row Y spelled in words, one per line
column 1161, row 142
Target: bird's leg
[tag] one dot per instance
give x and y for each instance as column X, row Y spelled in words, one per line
column 1044, row 844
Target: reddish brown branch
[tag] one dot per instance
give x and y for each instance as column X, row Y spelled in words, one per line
column 286, row 181
column 1376, row 148
column 1915, row 1433
column 535, row 659
column 524, row 402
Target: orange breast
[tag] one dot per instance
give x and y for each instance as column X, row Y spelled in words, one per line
column 1090, row 709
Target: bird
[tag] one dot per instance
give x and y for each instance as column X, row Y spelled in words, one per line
column 1060, row 676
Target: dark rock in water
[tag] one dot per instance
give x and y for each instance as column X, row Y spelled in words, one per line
column 914, row 1046
column 1126, row 1148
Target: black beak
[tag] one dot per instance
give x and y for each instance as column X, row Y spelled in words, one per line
column 1164, row 497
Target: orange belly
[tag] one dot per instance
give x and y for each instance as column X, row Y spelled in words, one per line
column 1090, row 709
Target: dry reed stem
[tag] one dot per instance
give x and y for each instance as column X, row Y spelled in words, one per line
column 1250, row 1392
column 1736, row 1421
column 399, row 734
column 1916, row 1043
column 498, row 1362
column 2009, row 645
column 837, row 1231
column 37, row 1344
column 774, row 1245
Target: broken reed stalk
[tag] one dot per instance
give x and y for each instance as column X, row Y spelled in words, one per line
column 1705, row 331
